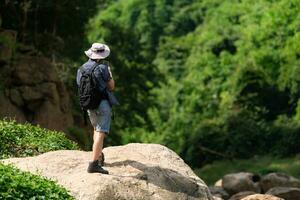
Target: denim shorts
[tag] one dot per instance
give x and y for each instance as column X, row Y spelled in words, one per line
column 101, row 117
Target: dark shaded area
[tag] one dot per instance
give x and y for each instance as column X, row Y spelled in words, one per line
column 56, row 28
column 225, row 45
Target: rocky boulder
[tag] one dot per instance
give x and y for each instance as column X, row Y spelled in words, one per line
column 217, row 191
column 239, row 182
column 287, row 193
column 278, row 180
column 217, row 198
column 137, row 171
column 261, row 197
column 241, row 195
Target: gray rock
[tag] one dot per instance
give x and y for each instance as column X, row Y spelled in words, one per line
column 218, row 183
column 219, row 192
column 262, row 197
column 217, row 198
column 287, row 193
column 168, row 177
column 239, row 182
column 241, row 195
column 278, row 180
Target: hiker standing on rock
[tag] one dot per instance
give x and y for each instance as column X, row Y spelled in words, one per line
column 96, row 84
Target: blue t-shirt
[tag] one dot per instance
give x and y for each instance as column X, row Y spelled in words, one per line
column 101, row 73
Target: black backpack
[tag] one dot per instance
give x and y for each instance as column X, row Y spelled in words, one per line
column 89, row 95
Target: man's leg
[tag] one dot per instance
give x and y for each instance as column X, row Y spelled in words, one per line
column 97, row 151
column 98, row 144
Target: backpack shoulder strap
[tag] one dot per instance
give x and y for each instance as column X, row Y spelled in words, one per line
column 82, row 70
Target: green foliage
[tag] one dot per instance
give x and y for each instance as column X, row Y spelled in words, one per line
column 15, row 184
column 56, row 28
column 259, row 165
column 208, row 79
column 20, row 140
column 80, row 136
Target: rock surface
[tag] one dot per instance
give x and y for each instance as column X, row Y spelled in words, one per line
column 239, row 182
column 278, row 180
column 241, row 195
column 261, row 197
column 287, row 193
column 217, row 191
column 217, row 198
column 35, row 93
column 137, row 171
column 8, row 110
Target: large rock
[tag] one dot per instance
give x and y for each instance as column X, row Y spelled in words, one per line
column 50, row 116
column 33, row 70
column 218, row 183
column 8, row 110
column 262, row 197
column 278, row 180
column 137, row 171
column 287, row 193
column 219, row 192
column 239, row 182
column 217, row 198
column 34, row 89
column 241, row 195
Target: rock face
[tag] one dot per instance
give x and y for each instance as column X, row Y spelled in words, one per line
column 278, row 180
column 261, row 197
column 239, row 182
column 287, row 193
column 137, row 171
column 7, row 43
column 30, row 89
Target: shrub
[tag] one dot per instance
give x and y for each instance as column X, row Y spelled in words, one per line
column 15, row 184
column 84, row 141
column 20, row 140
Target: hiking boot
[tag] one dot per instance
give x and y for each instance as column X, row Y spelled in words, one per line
column 94, row 167
column 101, row 160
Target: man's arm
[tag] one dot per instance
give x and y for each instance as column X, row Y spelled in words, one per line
column 78, row 77
column 107, row 77
column 111, row 84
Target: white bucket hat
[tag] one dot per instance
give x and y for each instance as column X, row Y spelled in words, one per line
column 98, row 51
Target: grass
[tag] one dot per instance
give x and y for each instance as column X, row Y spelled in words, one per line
column 262, row 165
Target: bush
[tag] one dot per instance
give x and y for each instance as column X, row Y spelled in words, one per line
column 15, row 184
column 284, row 137
column 84, row 140
column 20, row 140
column 206, row 143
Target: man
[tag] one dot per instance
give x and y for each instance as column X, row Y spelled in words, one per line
column 100, row 117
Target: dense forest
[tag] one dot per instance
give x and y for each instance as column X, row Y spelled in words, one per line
column 211, row 79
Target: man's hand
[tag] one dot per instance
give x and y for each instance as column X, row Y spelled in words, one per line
column 110, row 72
column 111, row 82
